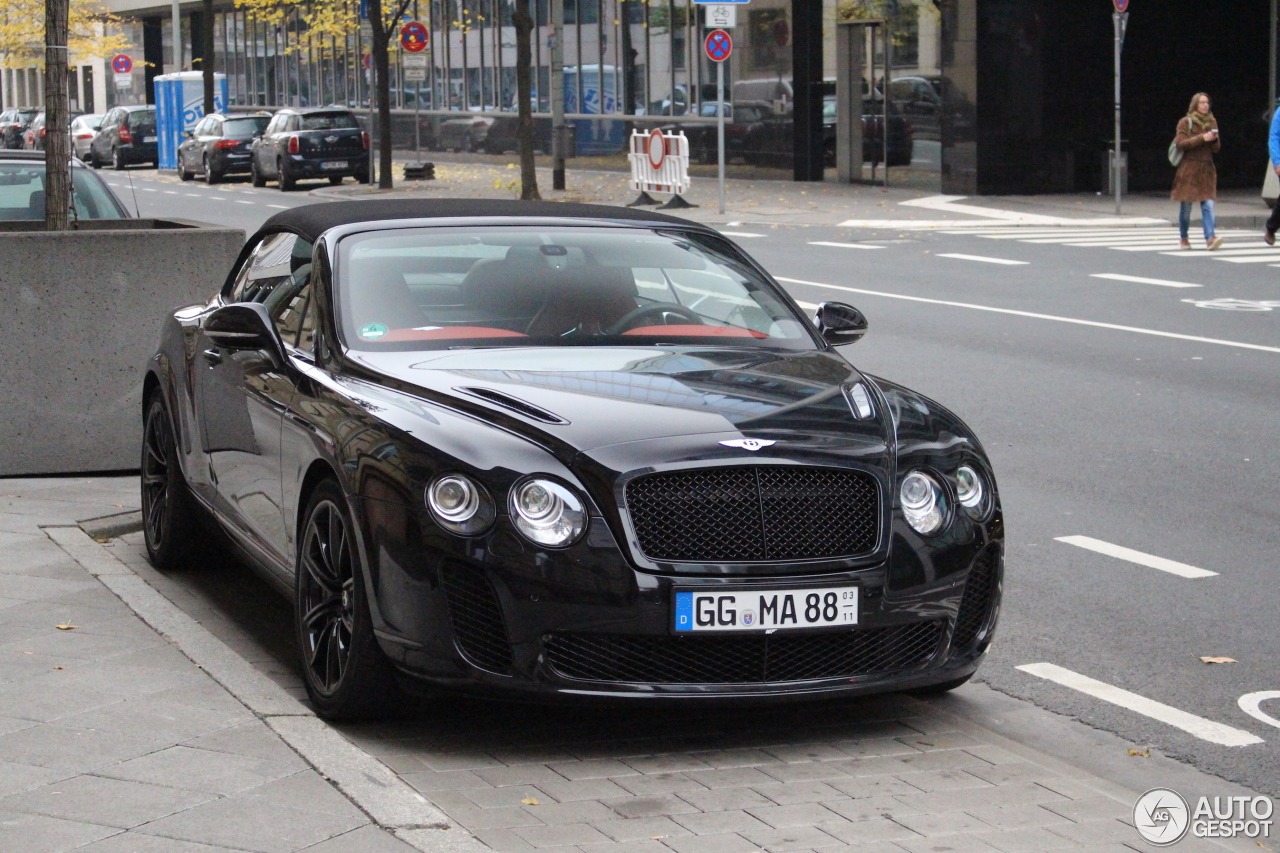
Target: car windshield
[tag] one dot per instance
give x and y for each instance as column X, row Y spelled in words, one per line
column 22, row 193
column 328, row 121
column 436, row 288
column 244, row 128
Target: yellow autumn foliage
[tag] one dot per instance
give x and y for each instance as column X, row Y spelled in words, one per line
column 22, row 33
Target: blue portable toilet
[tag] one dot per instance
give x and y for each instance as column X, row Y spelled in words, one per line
column 180, row 106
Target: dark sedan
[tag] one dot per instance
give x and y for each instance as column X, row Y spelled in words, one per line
column 12, row 124
column 318, row 142
column 126, row 137
column 565, row 449
column 218, row 146
column 768, row 141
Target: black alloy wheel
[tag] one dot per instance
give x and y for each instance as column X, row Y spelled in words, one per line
column 209, row 177
column 117, row 160
column 286, row 181
column 170, row 526
column 346, row 673
column 257, row 177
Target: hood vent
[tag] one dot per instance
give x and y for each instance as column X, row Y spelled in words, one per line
column 513, row 404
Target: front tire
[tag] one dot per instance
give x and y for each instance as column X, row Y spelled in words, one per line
column 347, row 675
column 182, row 170
column 258, row 180
column 170, row 523
column 117, row 160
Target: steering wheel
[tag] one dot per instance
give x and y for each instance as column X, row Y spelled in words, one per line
column 656, row 308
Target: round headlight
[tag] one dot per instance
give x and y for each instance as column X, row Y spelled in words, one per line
column 922, row 503
column 970, row 491
column 459, row 504
column 548, row 513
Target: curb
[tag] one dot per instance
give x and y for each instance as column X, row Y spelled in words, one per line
column 368, row 783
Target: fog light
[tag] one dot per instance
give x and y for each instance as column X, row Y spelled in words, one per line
column 548, row 513
column 923, row 504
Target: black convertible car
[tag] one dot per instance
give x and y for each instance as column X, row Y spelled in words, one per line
column 565, row 449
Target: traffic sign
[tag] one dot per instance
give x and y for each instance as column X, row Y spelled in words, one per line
column 656, row 147
column 415, row 75
column 121, row 64
column 414, row 36
column 1121, row 5
column 368, row 61
column 718, row 45
column 721, row 16
column 413, row 60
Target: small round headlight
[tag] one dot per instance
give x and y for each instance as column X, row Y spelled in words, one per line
column 460, row 505
column 547, row 513
column 922, row 503
column 970, row 491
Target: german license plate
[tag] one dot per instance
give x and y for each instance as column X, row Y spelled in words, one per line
column 148, row 139
column 766, row 610
column 334, row 164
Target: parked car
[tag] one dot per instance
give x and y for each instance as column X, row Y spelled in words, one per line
column 22, row 190
column 219, row 145
column 503, row 135
column 83, row 129
column 919, row 101
column 310, row 142
column 127, row 137
column 564, row 449
column 467, row 132
column 13, row 123
column 768, row 142
column 33, row 136
column 703, row 137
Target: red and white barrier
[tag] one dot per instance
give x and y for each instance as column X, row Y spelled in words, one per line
column 659, row 162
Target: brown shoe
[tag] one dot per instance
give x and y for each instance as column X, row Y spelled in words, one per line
column 1269, row 236
column 1184, row 244
column 1214, row 243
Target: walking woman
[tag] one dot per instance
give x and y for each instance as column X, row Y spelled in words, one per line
column 1197, row 179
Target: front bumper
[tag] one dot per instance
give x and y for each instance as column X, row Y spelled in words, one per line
column 493, row 617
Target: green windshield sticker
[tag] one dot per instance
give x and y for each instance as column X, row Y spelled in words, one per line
column 373, row 330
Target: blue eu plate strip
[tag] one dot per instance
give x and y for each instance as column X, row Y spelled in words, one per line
column 684, row 611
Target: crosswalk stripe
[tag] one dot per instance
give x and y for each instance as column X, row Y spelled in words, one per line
column 1241, row 245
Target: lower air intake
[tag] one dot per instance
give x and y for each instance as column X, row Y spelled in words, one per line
column 650, row 659
column 977, row 601
column 476, row 617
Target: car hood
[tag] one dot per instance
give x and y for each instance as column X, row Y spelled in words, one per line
column 581, row 399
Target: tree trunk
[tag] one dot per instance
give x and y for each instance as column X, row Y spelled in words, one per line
column 524, row 93
column 379, row 49
column 57, row 137
column 206, row 50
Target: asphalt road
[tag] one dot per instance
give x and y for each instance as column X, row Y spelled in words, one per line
column 1161, row 443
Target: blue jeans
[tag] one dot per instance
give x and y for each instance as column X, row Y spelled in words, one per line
column 1206, row 217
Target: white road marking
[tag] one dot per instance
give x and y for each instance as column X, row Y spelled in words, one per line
column 147, row 189
column 1189, row 723
column 1121, row 553
column 808, row 306
column 981, row 259
column 170, row 192
column 217, row 197
column 1115, row 276
column 192, row 195
column 241, row 201
column 1035, row 316
column 740, row 234
column 843, row 245
column 1249, row 703
column 279, row 206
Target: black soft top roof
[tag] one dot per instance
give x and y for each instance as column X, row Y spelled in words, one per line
column 312, row 220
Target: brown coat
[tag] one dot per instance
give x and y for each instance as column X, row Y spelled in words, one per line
column 1196, row 179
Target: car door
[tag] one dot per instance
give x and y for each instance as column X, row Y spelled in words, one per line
column 102, row 139
column 184, row 149
column 243, row 397
column 266, row 149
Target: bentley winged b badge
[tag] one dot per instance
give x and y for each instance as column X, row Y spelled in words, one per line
column 752, row 444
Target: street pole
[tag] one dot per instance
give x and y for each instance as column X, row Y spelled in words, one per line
column 177, row 36
column 557, row 95
column 720, row 127
column 888, row 64
column 1271, row 80
column 1118, row 19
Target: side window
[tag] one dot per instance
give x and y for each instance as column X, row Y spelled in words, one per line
column 273, row 125
column 288, row 305
column 291, row 123
column 214, row 128
column 266, row 268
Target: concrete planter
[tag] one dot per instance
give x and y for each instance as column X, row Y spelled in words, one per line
column 81, row 315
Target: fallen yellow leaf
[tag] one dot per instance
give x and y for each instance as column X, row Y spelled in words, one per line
column 531, row 801
column 1141, row 753
column 57, row 667
column 66, row 627
column 1207, row 659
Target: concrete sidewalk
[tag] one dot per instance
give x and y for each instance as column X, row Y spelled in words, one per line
column 777, row 202
column 117, row 737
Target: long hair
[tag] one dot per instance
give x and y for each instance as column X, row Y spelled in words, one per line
column 1195, row 102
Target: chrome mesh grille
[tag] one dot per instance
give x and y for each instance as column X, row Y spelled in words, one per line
column 753, row 659
column 976, row 603
column 754, row 514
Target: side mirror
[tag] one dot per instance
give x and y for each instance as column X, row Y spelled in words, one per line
column 188, row 134
column 244, row 326
column 839, row 323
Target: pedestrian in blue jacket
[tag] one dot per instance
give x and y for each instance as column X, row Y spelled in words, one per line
column 1273, row 221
